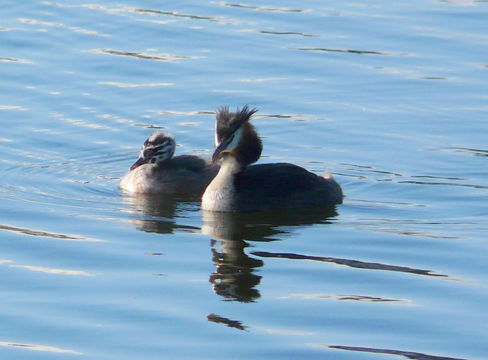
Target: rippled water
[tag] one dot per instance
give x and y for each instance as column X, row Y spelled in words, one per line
column 391, row 97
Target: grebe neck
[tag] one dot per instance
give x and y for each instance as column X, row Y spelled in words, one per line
column 224, row 181
column 230, row 166
column 220, row 193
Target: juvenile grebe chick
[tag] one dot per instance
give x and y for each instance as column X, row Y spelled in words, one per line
column 239, row 187
column 157, row 171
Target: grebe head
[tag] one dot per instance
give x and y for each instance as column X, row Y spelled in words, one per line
column 158, row 148
column 235, row 136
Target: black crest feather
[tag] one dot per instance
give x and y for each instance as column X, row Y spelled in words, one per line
column 228, row 122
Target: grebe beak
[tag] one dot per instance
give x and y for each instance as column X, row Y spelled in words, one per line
column 226, row 145
column 139, row 162
column 218, row 152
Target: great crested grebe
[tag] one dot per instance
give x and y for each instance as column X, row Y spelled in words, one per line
column 157, row 171
column 242, row 188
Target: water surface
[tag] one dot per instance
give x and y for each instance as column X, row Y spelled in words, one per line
column 390, row 97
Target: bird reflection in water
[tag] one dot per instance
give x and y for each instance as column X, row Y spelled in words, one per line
column 159, row 214
column 235, row 275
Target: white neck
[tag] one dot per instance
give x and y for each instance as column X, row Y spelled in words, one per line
column 220, row 193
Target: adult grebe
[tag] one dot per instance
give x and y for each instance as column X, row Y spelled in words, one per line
column 157, row 171
column 242, row 188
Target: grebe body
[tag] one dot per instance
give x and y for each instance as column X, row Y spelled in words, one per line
column 239, row 187
column 157, row 171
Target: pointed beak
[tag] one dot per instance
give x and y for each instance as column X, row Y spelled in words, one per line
column 218, row 151
column 138, row 163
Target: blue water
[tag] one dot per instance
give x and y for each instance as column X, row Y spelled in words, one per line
column 391, row 97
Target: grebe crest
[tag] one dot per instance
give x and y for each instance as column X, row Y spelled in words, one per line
column 158, row 148
column 235, row 136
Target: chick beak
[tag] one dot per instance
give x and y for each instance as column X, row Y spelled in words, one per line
column 139, row 162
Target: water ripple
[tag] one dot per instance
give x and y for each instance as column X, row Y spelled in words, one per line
column 39, row 347
column 263, row 79
column 269, row 32
column 15, row 60
column 294, row 117
column 12, row 107
column 218, row 19
column 66, row 182
column 46, row 270
column 407, row 354
column 341, row 297
column 350, row 51
column 370, row 172
column 416, row 182
column 40, row 233
column 350, row 262
column 54, row 271
column 175, row 14
column 144, row 11
column 60, row 25
column 469, row 151
column 131, row 85
column 142, row 55
column 183, row 113
column 261, row 8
